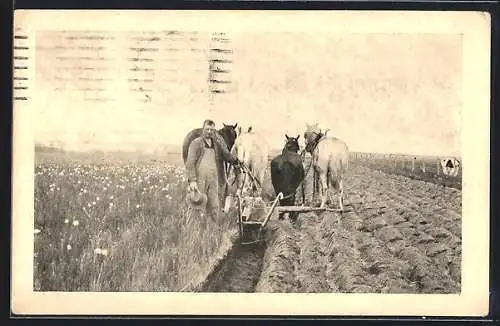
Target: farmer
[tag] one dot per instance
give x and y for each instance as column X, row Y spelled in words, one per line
column 205, row 168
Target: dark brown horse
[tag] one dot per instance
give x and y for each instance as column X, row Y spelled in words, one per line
column 287, row 172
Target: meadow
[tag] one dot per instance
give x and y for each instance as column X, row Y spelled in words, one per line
column 119, row 226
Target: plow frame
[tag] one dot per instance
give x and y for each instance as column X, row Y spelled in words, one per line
column 256, row 226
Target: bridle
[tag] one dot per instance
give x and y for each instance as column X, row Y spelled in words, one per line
column 312, row 144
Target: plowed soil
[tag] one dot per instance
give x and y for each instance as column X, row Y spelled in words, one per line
column 398, row 235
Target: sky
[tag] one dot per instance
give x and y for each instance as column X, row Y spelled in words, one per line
column 386, row 93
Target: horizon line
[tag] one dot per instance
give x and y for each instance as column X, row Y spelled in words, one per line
column 179, row 151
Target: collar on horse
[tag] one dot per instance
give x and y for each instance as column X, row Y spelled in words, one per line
column 312, row 145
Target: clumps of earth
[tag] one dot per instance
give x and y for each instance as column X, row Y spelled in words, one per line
column 397, row 236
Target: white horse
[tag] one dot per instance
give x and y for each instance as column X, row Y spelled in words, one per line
column 330, row 159
column 253, row 151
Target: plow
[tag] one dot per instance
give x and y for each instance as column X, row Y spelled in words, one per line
column 254, row 213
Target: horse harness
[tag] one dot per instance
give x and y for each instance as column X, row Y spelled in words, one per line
column 309, row 148
column 312, row 145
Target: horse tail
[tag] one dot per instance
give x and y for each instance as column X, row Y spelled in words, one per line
column 346, row 160
column 228, row 173
column 344, row 164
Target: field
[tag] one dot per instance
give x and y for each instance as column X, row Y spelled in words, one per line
column 119, row 227
column 399, row 236
column 123, row 226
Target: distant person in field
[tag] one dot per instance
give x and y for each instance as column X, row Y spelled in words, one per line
column 205, row 167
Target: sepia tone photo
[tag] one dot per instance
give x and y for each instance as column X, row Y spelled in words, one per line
column 243, row 154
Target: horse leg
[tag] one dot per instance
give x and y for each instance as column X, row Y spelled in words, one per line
column 293, row 215
column 324, row 188
column 303, row 194
column 315, row 188
column 261, row 181
column 241, row 184
column 330, row 185
column 341, row 195
column 335, row 184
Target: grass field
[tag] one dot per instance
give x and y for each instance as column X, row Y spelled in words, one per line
column 119, row 227
column 108, row 223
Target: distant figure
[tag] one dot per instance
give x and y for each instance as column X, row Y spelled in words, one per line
column 330, row 157
column 205, row 169
column 450, row 166
column 287, row 172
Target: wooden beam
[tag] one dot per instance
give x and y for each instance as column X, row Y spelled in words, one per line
column 252, row 222
column 305, row 209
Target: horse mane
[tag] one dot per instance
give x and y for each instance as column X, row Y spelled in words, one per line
column 225, row 131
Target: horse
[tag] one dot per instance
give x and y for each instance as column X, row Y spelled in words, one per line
column 330, row 159
column 287, row 173
column 253, row 151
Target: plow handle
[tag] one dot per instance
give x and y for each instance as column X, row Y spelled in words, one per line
column 271, row 210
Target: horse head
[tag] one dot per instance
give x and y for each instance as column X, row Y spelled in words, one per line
column 228, row 132
column 240, row 130
column 291, row 144
column 311, row 136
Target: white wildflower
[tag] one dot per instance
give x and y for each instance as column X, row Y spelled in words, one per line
column 75, row 222
column 68, row 247
column 99, row 251
column 66, row 221
column 37, row 231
